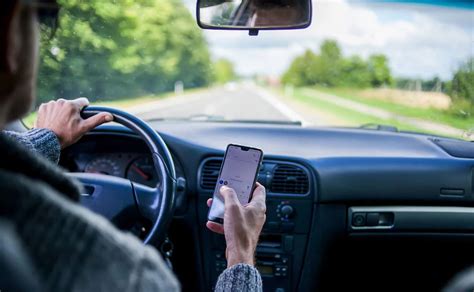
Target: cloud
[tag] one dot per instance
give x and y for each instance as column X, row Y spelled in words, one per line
column 420, row 41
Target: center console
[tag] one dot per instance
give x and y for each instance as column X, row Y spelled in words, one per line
column 282, row 246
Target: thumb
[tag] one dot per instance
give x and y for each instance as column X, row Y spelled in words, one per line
column 97, row 120
column 230, row 197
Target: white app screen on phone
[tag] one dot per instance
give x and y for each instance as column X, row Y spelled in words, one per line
column 238, row 173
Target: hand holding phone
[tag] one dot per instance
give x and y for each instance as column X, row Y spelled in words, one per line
column 238, row 207
column 242, row 224
column 238, row 171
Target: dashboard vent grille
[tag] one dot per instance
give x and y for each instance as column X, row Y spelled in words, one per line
column 210, row 173
column 289, row 179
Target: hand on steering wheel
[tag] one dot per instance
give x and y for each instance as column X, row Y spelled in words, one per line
column 63, row 118
column 113, row 197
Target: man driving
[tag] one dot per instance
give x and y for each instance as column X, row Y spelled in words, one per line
column 48, row 241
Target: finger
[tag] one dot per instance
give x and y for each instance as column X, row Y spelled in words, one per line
column 259, row 197
column 81, row 102
column 230, row 197
column 96, row 120
column 209, row 202
column 42, row 110
column 215, row 227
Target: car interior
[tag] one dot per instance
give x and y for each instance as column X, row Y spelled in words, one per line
column 360, row 209
column 390, row 211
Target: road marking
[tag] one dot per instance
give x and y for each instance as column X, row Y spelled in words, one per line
column 278, row 105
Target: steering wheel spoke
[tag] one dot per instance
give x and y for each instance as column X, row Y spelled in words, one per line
column 148, row 200
column 110, row 196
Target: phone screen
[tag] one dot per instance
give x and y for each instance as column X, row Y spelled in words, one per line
column 239, row 172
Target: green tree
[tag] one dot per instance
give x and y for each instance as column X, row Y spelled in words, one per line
column 112, row 49
column 379, row 71
column 461, row 89
column 330, row 50
column 355, row 73
column 300, row 72
column 327, row 69
column 224, row 71
column 330, row 68
column 462, row 85
column 312, row 69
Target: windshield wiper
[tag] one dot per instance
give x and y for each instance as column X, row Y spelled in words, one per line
column 274, row 122
column 379, row 127
column 204, row 117
column 222, row 119
column 198, row 117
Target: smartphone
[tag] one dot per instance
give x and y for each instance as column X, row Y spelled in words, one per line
column 239, row 171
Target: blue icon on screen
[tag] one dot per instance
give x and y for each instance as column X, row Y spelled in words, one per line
column 221, row 181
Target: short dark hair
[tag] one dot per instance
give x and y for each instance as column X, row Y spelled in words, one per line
column 48, row 15
column 6, row 11
column 48, row 11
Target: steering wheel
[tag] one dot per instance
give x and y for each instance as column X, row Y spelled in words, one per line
column 118, row 198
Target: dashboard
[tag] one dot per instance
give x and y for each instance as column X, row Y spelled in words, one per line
column 343, row 205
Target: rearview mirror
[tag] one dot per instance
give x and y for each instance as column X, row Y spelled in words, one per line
column 253, row 15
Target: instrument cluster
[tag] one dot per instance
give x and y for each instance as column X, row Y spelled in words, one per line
column 137, row 167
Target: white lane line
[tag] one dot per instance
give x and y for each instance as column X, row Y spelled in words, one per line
column 279, row 105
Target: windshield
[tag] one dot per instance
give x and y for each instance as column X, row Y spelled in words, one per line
column 360, row 64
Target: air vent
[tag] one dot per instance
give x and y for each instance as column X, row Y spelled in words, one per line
column 289, row 179
column 285, row 178
column 210, row 173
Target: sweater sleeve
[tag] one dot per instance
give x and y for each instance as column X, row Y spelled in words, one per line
column 42, row 141
column 240, row 277
column 74, row 249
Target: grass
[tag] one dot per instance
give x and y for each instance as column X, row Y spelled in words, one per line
column 429, row 114
column 351, row 117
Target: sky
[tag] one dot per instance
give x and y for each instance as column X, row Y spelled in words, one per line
column 421, row 41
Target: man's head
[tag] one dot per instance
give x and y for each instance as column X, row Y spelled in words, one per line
column 19, row 40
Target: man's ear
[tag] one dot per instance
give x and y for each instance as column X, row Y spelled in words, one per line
column 9, row 14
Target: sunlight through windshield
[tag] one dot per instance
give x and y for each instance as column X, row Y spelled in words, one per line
column 360, row 63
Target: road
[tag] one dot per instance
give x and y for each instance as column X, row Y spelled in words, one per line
column 246, row 101
column 231, row 102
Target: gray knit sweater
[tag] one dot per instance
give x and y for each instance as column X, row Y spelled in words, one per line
column 71, row 248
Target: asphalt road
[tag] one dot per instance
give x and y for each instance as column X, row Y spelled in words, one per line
column 231, row 102
column 246, row 101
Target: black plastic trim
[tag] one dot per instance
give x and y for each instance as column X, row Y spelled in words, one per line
column 418, row 218
column 306, row 25
column 275, row 161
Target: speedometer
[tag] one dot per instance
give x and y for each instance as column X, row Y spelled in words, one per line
column 103, row 165
column 142, row 171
